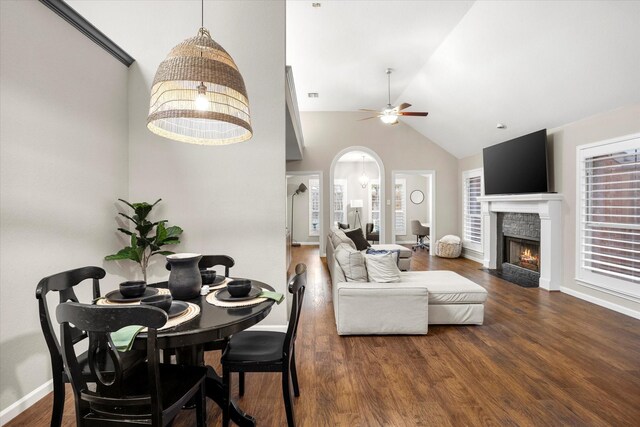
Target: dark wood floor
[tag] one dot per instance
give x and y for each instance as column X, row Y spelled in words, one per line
column 540, row 359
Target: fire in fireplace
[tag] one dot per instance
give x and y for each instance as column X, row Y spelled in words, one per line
column 522, row 253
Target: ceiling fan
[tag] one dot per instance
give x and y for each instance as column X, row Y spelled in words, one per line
column 390, row 114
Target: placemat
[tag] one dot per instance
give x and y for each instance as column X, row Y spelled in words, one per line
column 211, row 299
column 192, row 311
column 104, row 301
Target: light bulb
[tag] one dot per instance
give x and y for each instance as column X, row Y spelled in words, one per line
column 202, row 102
column 388, row 117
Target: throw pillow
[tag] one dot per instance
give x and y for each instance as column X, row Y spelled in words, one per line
column 382, row 268
column 352, row 263
column 358, row 239
column 372, row 251
column 338, row 238
column 343, row 226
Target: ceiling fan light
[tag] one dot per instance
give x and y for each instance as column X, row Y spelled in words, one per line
column 388, row 119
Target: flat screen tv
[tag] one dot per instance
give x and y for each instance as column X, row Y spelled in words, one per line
column 517, row 166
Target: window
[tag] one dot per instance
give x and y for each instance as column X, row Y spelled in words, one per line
column 400, row 200
column 340, row 200
column 374, row 204
column 472, row 188
column 314, row 207
column 608, row 221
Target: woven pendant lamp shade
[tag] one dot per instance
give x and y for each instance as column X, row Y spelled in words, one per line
column 199, row 67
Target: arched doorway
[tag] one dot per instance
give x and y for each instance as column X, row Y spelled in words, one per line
column 359, row 203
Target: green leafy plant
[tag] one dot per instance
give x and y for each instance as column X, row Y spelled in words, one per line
column 143, row 246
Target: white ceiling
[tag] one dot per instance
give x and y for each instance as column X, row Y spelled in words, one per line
column 527, row 64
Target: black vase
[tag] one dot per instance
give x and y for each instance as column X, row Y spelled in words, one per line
column 184, row 280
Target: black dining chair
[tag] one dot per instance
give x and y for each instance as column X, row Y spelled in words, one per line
column 149, row 393
column 64, row 283
column 266, row 351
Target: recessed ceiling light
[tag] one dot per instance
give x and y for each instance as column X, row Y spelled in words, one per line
column 500, row 126
column 316, row 4
column 313, row 94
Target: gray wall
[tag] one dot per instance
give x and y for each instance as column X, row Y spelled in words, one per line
column 90, row 145
column 563, row 142
column 64, row 162
column 400, row 148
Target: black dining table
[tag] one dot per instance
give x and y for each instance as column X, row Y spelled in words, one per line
column 213, row 324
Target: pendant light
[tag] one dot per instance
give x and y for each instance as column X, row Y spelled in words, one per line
column 364, row 179
column 198, row 94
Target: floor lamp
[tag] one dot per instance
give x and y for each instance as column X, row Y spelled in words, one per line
column 301, row 189
column 356, row 204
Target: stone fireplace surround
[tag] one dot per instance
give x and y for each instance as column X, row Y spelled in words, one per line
column 519, row 227
column 549, row 207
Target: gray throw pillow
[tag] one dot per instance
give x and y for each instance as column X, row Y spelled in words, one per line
column 352, row 263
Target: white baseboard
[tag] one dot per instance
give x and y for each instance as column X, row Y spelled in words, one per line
column 606, row 304
column 472, row 257
column 275, row 328
column 25, row 402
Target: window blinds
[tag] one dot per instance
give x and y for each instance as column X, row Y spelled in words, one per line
column 609, row 218
column 472, row 209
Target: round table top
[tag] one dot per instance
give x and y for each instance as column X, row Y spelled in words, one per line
column 213, row 323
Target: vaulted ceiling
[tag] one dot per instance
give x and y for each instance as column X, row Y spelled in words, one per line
column 471, row 65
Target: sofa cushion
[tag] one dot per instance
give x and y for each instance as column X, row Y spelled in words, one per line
column 358, row 239
column 447, row 287
column 342, row 226
column 352, row 263
column 382, row 268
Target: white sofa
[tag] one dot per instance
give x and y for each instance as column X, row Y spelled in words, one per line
column 420, row 299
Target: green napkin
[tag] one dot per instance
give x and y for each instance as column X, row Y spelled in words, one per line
column 123, row 338
column 276, row 296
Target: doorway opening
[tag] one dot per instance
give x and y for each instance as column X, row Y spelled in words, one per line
column 304, row 209
column 413, row 199
column 357, row 196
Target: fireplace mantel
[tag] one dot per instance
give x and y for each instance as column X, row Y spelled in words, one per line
column 549, row 207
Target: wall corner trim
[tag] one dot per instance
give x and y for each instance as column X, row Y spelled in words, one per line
column 69, row 14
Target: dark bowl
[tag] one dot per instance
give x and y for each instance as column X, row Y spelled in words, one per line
column 208, row 276
column 162, row 301
column 239, row 287
column 133, row 288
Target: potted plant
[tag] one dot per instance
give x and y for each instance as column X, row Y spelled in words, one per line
column 143, row 246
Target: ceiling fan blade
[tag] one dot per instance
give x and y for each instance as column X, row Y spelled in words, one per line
column 366, row 109
column 419, row 114
column 403, row 106
column 367, row 118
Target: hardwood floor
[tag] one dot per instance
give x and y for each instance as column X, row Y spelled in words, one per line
column 540, row 359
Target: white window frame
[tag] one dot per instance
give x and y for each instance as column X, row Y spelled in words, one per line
column 604, row 282
column 370, row 201
column 402, row 212
column 314, row 191
column 466, row 175
column 343, row 183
